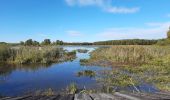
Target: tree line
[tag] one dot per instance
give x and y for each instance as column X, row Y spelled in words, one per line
column 31, row 42
column 127, row 42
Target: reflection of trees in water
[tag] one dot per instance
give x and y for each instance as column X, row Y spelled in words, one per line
column 32, row 67
column 6, row 69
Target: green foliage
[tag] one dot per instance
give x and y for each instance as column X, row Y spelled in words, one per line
column 127, row 42
column 164, row 42
column 46, row 42
column 58, row 42
column 29, row 42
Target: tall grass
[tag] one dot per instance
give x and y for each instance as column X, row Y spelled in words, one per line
column 6, row 53
column 25, row 55
column 152, row 65
column 130, row 54
column 72, row 88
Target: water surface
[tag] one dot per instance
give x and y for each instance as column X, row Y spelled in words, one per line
column 20, row 79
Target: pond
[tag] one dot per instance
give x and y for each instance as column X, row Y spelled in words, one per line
column 16, row 80
column 21, row 79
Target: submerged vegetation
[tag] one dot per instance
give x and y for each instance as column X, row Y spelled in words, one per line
column 28, row 55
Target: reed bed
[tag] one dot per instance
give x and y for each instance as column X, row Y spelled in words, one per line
column 150, row 64
column 130, row 54
column 25, row 55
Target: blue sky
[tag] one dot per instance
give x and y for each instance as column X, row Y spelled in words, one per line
column 83, row 20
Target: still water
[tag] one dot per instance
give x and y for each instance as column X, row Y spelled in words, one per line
column 18, row 80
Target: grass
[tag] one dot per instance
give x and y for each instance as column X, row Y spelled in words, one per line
column 83, row 61
column 87, row 73
column 111, row 80
column 72, row 88
column 150, row 64
column 28, row 55
column 48, row 92
column 129, row 54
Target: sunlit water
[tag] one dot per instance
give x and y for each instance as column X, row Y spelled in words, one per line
column 17, row 80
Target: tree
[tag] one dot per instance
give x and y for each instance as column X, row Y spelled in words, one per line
column 46, row 42
column 168, row 34
column 36, row 43
column 29, row 42
column 22, row 43
column 58, row 42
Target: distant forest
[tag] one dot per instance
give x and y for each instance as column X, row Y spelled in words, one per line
column 31, row 42
column 127, row 42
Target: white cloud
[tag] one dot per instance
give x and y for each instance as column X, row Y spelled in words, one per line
column 105, row 5
column 153, row 31
column 74, row 33
column 86, row 2
column 122, row 10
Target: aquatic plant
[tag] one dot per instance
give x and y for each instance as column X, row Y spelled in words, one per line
column 82, row 50
column 87, row 73
column 72, row 88
column 83, row 61
column 114, row 79
column 149, row 63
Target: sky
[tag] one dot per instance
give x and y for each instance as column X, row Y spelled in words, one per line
column 83, row 20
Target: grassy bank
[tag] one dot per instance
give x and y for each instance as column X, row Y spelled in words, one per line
column 126, row 55
column 27, row 55
column 151, row 64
